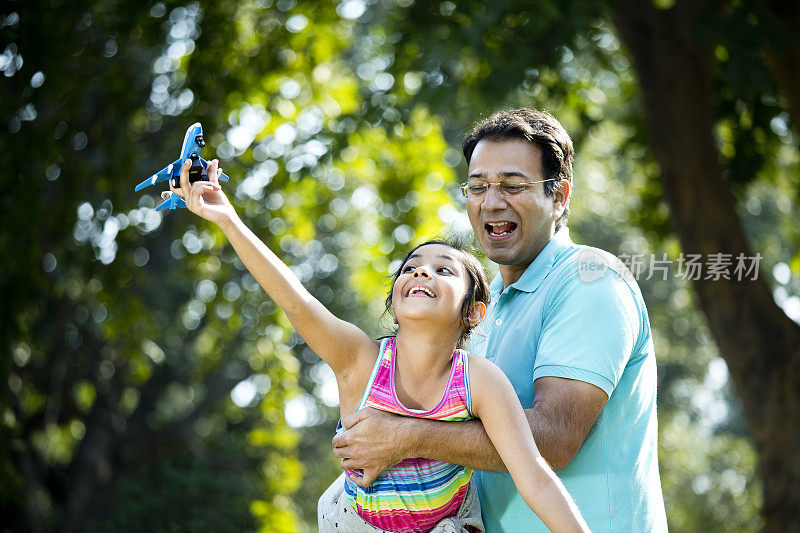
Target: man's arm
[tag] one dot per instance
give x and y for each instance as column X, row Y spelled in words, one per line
column 563, row 413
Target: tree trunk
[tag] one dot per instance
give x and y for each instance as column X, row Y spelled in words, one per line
column 760, row 344
column 784, row 54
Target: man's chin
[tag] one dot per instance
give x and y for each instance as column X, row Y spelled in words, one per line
column 500, row 253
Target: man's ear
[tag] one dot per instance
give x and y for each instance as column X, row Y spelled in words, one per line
column 477, row 313
column 561, row 197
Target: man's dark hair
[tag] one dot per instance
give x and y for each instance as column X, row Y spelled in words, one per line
column 538, row 127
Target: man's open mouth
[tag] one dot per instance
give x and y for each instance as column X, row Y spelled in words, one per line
column 499, row 229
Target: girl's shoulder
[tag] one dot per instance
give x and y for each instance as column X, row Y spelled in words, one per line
column 483, row 370
column 353, row 383
column 487, row 382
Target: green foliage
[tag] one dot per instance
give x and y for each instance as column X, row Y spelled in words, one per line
column 183, row 490
column 147, row 380
column 149, row 376
column 708, row 478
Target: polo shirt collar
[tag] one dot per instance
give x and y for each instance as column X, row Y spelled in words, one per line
column 539, row 268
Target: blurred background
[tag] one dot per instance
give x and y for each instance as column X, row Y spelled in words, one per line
column 147, row 382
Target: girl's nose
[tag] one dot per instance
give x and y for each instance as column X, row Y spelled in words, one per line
column 419, row 271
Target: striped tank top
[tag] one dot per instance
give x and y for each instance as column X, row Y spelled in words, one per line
column 415, row 494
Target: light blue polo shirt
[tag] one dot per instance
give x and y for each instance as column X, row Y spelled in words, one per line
column 577, row 313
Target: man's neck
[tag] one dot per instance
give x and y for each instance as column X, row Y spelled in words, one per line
column 511, row 273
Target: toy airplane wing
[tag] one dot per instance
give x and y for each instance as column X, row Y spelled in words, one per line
column 162, row 175
column 222, row 176
column 172, row 201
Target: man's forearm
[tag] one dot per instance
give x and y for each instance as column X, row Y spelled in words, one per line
column 563, row 413
column 462, row 443
column 554, row 430
column 549, row 439
column 467, row 444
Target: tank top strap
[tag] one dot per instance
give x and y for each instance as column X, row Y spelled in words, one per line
column 459, row 380
column 385, row 351
column 464, row 378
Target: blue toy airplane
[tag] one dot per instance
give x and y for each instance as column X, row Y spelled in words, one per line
column 192, row 143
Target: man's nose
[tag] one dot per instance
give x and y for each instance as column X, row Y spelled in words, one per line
column 492, row 200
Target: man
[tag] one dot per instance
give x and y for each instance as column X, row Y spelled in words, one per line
column 568, row 326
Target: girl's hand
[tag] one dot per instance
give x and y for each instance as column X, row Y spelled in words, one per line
column 205, row 198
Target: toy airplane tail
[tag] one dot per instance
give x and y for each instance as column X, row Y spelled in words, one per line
column 172, row 201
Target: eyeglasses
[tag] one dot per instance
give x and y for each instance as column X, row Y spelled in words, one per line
column 476, row 189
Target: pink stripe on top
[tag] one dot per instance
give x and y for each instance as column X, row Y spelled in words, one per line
column 415, row 494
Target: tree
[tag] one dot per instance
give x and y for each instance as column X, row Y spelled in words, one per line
column 717, row 81
column 114, row 371
column 760, row 343
column 146, row 376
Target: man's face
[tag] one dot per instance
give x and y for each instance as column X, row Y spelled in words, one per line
column 512, row 230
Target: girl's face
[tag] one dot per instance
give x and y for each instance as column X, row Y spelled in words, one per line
column 432, row 285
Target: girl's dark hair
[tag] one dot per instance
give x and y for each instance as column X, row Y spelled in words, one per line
column 477, row 287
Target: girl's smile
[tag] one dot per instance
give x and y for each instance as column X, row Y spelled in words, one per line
column 431, row 275
column 439, row 290
column 420, row 291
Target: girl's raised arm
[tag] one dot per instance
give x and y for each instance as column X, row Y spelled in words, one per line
column 340, row 344
column 496, row 404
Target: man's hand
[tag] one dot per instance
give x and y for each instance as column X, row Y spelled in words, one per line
column 372, row 441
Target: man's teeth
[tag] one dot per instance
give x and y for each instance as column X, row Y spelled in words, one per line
column 500, row 228
column 424, row 290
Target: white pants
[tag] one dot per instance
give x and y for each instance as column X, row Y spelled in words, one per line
column 334, row 513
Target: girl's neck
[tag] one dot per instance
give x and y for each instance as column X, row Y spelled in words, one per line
column 422, row 368
column 424, row 353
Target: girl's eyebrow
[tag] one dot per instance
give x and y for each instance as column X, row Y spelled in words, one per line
column 415, row 255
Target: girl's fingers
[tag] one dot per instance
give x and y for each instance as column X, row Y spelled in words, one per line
column 196, row 193
column 172, row 189
column 212, row 168
column 201, row 187
column 183, row 180
column 214, row 171
column 185, row 174
column 193, row 193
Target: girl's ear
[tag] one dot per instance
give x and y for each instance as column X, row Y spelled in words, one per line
column 477, row 313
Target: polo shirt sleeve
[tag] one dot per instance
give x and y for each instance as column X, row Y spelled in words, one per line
column 589, row 331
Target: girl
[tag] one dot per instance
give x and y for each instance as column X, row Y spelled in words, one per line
column 439, row 294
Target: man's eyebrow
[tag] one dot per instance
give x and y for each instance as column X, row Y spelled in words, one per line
column 508, row 174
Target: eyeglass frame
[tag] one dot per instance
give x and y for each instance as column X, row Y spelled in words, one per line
column 465, row 186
